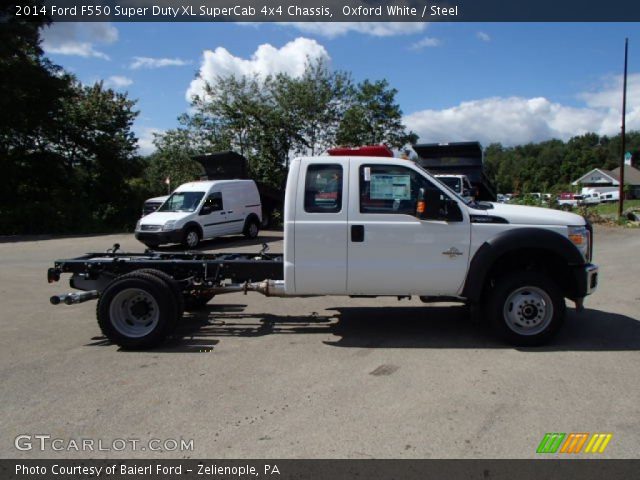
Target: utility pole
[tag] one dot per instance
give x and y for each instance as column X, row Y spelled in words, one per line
column 624, row 144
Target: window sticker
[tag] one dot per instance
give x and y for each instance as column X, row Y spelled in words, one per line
column 390, row 187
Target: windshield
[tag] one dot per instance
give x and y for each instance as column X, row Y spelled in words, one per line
column 454, row 183
column 182, row 202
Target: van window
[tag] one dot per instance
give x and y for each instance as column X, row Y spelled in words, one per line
column 323, row 189
column 391, row 189
column 214, row 201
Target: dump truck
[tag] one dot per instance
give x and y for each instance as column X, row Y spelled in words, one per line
column 460, row 158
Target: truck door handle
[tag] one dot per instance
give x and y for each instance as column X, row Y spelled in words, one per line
column 357, row 233
column 230, row 211
column 222, row 212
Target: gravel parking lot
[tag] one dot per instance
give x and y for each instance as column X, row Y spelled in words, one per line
column 327, row 377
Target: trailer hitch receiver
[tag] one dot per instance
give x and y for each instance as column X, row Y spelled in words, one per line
column 53, row 275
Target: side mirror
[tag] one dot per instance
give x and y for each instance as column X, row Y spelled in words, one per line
column 432, row 206
column 206, row 210
column 452, row 212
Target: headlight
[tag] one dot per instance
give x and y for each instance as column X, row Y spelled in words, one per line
column 170, row 225
column 138, row 226
column 579, row 236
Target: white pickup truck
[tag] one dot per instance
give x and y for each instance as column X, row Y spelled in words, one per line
column 361, row 226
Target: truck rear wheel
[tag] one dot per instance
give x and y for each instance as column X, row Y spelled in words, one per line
column 137, row 311
column 170, row 281
column 526, row 308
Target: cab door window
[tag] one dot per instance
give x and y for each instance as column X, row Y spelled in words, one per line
column 394, row 189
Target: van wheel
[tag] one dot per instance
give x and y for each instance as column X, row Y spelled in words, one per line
column 191, row 238
column 137, row 311
column 251, row 228
column 526, row 308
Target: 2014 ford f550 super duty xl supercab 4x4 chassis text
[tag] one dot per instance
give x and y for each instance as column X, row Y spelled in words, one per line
column 361, row 226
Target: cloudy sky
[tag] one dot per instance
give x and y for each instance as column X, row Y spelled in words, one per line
column 509, row 83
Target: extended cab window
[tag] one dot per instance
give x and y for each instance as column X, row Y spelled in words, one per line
column 392, row 189
column 323, row 189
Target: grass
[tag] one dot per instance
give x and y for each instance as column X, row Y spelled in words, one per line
column 612, row 208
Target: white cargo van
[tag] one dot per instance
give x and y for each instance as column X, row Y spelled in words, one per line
column 199, row 211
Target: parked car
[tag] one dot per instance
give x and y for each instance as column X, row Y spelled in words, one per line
column 568, row 199
column 589, row 198
column 152, row 204
column 204, row 210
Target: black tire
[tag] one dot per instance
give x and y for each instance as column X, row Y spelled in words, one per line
column 251, row 227
column 171, row 282
column 191, row 238
column 152, row 294
column 526, row 308
column 194, row 302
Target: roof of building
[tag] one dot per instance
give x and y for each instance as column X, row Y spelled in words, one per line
column 606, row 174
column 631, row 175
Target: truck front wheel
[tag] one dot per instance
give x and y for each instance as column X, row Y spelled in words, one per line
column 526, row 308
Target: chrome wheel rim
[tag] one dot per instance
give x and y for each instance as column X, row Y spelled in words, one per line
column 134, row 312
column 528, row 310
column 192, row 238
column 253, row 230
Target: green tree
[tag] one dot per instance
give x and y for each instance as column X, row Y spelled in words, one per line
column 173, row 160
column 374, row 118
column 67, row 151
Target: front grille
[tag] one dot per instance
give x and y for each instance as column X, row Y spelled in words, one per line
column 151, row 228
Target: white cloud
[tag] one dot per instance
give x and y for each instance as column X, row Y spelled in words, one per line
column 517, row 120
column 145, row 140
column 483, row 36
column 426, row 42
column 69, row 38
column 267, row 59
column 117, row 81
column 375, row 29
column 148, row 62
